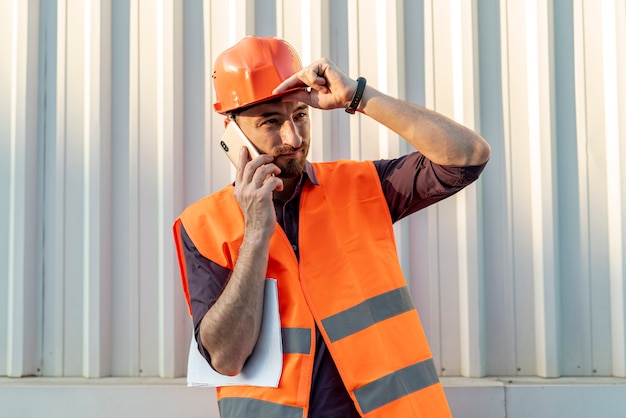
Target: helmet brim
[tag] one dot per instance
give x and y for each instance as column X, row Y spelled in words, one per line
column 271, row 98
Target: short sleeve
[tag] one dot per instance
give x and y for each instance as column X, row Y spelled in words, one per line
column 413, row 182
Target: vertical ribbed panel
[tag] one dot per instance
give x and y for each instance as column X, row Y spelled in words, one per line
column 125, row 183
column 6, row 80
column 19, row 188
column 517, row 139
column 540, row 75
column 96, row 300
column 614, row 63
column 591, row 111
column 172, row 333
column 107, row 131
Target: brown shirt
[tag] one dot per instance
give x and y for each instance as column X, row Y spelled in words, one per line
column 409, row 183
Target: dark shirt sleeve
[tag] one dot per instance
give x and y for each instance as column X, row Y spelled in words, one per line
column 413, row 182
column 206, row 281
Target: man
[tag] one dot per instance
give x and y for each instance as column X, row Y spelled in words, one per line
column 353, row 342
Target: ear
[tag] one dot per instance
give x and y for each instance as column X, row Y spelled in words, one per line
column 226, row 121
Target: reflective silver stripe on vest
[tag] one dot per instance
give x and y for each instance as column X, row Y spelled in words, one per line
column 248, row 407
column 368, row 313
column 296, row 340
column 396, row 385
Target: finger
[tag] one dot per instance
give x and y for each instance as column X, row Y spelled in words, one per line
column 292, row 82
column 257, row 170
column 263, row 173
column 311, row 76
column 253, row 165
column 272, row 183
column 314, row 78
column 244, row 158
column 299, row 96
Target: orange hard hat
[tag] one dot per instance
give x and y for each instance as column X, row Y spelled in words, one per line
column 246, row 73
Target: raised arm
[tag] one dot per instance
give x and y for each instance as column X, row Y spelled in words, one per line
column 439, row 138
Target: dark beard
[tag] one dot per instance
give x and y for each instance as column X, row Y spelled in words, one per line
column 292, row 169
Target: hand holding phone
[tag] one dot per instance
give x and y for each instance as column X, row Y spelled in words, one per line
column 232, row 141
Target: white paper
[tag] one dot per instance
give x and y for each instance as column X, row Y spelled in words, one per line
column 264, row 366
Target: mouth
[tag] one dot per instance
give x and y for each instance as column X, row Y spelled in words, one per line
column 288, row 155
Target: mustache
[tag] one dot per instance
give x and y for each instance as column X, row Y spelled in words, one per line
column 287, row 149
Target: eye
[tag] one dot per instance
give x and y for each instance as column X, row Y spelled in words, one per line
column 271, row 121
column 300, row 115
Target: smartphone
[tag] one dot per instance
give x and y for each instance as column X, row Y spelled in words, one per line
column 232, row 141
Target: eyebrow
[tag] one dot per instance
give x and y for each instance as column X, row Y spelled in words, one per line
column 273, row 113
column 301, row 107
column 267, row 114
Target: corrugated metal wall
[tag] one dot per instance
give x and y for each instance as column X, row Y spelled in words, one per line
column 107, row 132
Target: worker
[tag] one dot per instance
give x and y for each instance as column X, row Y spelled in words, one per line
column 353, row 344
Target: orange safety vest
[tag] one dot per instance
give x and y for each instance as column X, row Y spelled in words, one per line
column 348, row 281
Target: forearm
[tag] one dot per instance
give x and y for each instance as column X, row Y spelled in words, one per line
column 230, row 329
column 438, row 138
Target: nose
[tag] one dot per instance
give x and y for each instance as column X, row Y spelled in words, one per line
column 289, row 134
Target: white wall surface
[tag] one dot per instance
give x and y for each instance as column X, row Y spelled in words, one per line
column 107, row 132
